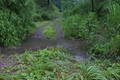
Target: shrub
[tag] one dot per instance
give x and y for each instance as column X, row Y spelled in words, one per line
column 105, row 40
column 79, row 7
column 16, row 21
column 45, row 13
column 79, row 26
column 101, row 32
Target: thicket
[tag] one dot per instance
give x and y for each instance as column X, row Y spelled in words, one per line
column 45, row 13
column 100, row 29
column 16, row 21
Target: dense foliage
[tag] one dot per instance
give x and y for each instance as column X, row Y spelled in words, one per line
column 45, row 10
column 45, row 13
column 54, row 64
column 16, row 20
column 100, row 28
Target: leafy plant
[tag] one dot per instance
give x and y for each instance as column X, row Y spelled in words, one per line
column 54, row 64
column 49, row 31
column 45, row 13
column 16, row 21
column 100, row 28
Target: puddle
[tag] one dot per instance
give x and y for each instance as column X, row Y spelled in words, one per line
column 73, row 47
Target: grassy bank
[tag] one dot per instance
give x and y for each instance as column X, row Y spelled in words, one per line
column 55, row 64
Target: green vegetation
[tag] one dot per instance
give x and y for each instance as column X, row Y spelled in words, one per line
column 54, row 64
column 16, row 21
column 99, row 25
column 47, row 13
column 49, row 31
column 45, row 10
column 41, row 23
column 17, row 18
column 95, row 21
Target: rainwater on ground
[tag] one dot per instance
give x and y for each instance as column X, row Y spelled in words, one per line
column 73, row 47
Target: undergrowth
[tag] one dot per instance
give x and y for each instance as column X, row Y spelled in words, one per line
column 49, row 31
column 55, row 64
column 100, row 29
column 45, row 13
column 16, row 21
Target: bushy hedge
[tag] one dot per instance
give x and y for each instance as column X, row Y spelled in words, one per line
column 16, row 20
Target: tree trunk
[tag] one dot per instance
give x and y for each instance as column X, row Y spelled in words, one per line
column 48, row 2
column 93, row 7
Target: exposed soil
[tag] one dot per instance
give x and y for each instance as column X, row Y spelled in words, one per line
column 58, row 31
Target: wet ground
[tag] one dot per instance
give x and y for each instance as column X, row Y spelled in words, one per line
column 75, row 48
column 36, row 41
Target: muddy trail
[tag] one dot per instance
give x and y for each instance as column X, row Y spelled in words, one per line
column 36, row 41
column 38, row 33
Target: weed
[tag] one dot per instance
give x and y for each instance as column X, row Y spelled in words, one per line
column 54, row 64
column 49, row 32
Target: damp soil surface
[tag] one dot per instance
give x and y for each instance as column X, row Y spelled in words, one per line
column 75, row 48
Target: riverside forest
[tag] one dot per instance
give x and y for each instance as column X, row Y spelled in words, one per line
column 59, row 39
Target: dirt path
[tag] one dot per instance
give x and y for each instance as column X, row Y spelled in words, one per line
column 58, row 30
column 38, row 33
column 6, row 60
column 36, row 41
